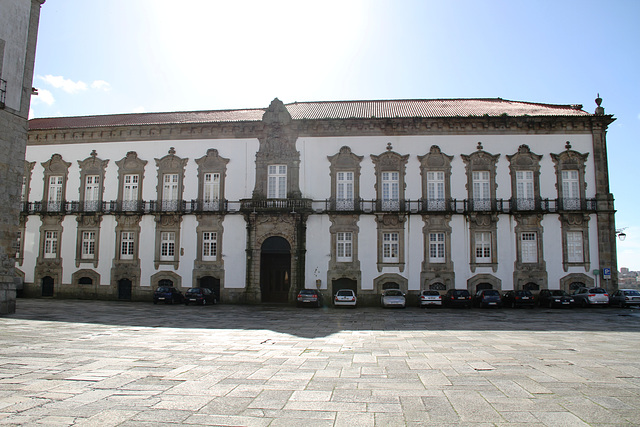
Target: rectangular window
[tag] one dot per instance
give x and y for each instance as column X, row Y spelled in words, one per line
column 525, row 197
column 570, row 189
column 167, row 245
column 390, row 247
column 528, row 248
column 170, row 187
column 344, row 191
column 436, row 247
column 481, row 191
column 55, row 193
column 277, row 182
column 91, row 192
column 435, row 191
column 130, row 195
column 50, row 244
column 483, row 246
column 344, row 247
column 127, row 242
column 575, row 248
column 209, row 246
column 390, row 191
column 211, row 191
column 19, row 244
column 88, row 244
column 23, row 194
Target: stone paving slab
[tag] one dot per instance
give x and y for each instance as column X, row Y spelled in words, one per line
column 105, row 363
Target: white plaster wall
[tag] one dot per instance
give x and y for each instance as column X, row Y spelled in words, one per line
column 234, row 251
column 318, row 251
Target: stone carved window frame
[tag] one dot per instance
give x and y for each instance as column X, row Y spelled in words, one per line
column 529, row 224
column 88, row 223
column 130, row 165
column 22, row 229
column 390, row 161
column 391, row 223
column 437, row 224
column 277, row 147
column 50, row 223
column 481, row 161
column 93, row 275
column 28, row 171
column 168, row 223
column 524, row 160
column 379, row 282
column 345, row 161
column 570, row 160
column 344, row 224
column 435, row 161
column 575, row 222
column 55, row 166
column 212, row 162
column 92, row 165
column 170, row 164
column 479, row 222
column 130, row 224
column 210, row 223
column 166, row 275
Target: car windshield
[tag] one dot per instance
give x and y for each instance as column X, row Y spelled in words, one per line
column 345, row 293
column 558, row 293
column 307, row 292
column 491, row 293
column 524, row 293
column 393, row 293
column 461, row 293
column 597, row 291
column 431, row 293
column 193, row 291
column 164, row 289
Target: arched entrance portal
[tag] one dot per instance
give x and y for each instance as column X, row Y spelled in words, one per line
column 275, row 269
column 212, row 283
column 124, row 289
column 483, row 286
column 47, row 286
column 344, row 283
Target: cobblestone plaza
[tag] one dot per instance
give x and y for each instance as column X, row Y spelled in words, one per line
column 103, row 363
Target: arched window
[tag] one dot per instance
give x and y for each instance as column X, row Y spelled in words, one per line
column 390, row 285
column 437, row 287
column 576, row 285
column 85, row 281
column 165, row 282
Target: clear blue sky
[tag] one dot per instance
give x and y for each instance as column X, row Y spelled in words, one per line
column 121, row 56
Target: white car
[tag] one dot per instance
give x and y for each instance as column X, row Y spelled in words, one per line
column 393, row 298
column 586, row 297
column 430, row 298
column 345, row 297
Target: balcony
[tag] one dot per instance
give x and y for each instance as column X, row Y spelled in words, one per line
column 276, row 205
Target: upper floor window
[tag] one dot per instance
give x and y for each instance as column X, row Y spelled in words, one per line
column 55, row 179
column 481, row 191
column 277, row 182
column 390, row 191
column 570, row 189
column 91, row 192
column 575, row 249
column 211, row 188
column 130, row 192
column 435, row 168
column 209, row 246
column 88, row 244
column 344, row 246
column 170, row 189
column 130, row 174
column 19, row 245
column 92, row 171
column 435, row 189
column 344, row 190
column 211, row 175
column 524, row 167
column 55, row 193
column 525, row 196
column 390, row 168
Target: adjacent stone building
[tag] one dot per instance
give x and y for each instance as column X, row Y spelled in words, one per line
column 367, row 195
column 18, row 33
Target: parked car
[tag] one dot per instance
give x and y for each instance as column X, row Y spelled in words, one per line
column 167, row 295
column 393, row 298
column 591, row 296
column 555, row 298
column 309, row 297
column 345, row 297
column 202, row 296
column 625, row 298
column 520, row 298
column 430, row 298
column 457, row 298
column 487, row 298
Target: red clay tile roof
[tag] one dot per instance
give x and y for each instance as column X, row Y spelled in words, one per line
column 433, row 108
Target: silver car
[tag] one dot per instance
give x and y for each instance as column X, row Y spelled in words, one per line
column 345, row 297
column 586, row 297
column 393, row 298
column 625, row 298
column 430, row 298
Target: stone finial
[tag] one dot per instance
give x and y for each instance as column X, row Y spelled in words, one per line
column 94, row 154
column 479, row 147
column 172, row 151
column 568, row 146
column 599, row 109
column 389, row 146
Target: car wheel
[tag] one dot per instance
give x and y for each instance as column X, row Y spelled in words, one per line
column 186, row 303
column 621, row 304
column 513, row 305
column 585, row 304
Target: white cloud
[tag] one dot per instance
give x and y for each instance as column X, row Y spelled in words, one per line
column 101, row 85
column 44, row 96
column 67, row 85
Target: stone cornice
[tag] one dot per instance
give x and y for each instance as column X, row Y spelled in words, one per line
column 329, row 127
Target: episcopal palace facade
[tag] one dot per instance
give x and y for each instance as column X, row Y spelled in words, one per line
column 367, row 195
